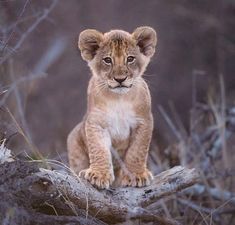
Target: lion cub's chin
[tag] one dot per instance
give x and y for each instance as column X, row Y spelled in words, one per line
column 120, row 90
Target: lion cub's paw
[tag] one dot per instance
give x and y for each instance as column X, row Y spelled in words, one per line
column 97, row 178
column 130, row 179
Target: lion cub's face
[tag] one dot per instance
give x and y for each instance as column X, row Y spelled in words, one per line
column 117, row 58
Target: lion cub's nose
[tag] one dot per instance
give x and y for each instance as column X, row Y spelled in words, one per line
column 120, row 80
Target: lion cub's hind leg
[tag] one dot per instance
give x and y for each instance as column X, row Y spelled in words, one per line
column 78, row 157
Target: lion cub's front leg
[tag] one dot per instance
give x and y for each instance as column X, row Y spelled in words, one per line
column 100, row 173
column 135, row 173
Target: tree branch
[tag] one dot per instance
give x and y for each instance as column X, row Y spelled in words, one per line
column 60, row 193
column 121, row 203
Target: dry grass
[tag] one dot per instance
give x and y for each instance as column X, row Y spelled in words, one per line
column 206, row 148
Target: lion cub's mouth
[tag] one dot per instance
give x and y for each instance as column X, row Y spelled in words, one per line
column 120, row 89
column 120, row 86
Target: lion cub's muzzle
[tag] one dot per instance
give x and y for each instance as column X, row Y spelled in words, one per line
column 120, row 82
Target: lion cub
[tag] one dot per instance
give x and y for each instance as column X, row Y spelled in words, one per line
column 113, row 138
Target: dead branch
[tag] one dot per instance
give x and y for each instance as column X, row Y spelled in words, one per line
column 121, row 203
column 62, row 192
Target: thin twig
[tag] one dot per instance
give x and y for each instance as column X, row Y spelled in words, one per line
column 20, row 15
column 29, row 30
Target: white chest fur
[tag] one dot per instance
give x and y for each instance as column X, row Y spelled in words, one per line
column 121, row 119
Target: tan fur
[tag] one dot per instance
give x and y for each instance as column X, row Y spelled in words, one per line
column 118, row 121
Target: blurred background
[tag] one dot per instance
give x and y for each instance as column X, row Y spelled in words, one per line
column 43, row 79
column 196, row 43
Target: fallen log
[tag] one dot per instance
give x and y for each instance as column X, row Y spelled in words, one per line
column 68, row 198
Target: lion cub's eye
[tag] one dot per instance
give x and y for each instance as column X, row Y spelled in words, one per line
column 107, row 60
column 130, row 59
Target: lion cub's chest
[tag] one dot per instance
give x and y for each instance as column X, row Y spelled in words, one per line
column 121, row 119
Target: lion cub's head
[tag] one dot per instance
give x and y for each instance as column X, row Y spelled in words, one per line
column 117, row 58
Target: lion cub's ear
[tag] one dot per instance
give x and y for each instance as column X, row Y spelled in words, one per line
column 89, row 41
column 146, row 38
